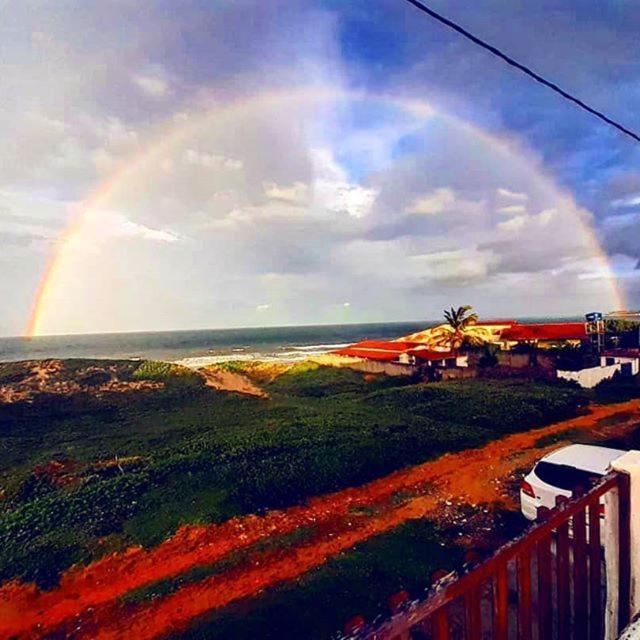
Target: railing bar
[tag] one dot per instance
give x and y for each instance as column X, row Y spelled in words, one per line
column 595, row 572
column 579, row 576
column 563, row 584
column 624, row 550
column 473, row 615
column 501, row 604
column 441, row 624
column 544, row 589
column 532, row 538
column 524, row 595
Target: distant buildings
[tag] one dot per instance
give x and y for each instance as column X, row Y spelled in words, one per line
column 621, row 362
column 430, row 351
column 434, row 344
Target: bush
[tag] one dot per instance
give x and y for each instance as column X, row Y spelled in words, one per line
column 176, row 378
column 617, row 389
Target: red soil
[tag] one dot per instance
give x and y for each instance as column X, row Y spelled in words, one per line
column 84, row 605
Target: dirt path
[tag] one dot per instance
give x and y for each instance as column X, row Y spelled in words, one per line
column 86, row 603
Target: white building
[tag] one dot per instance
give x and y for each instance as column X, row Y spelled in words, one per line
column 627, row 360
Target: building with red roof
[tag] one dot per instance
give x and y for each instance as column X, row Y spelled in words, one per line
column 431, row 348
column 548, row 332
column 402, row 352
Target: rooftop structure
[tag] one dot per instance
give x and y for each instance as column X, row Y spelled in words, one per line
column 548, row 332
column 434, row 343
column 395, row 350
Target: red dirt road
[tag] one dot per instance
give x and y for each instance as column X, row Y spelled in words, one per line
column 86, row 602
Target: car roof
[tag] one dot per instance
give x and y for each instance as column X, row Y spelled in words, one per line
column 585, row 456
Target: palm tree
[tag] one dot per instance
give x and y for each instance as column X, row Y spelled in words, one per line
column 459, row 323
column 460, row 328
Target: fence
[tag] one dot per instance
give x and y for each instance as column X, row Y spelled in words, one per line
column 549, row 583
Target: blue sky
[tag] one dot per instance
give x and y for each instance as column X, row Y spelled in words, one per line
column 286, row 212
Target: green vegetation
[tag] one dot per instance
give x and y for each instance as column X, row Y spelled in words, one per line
column 617, row 389
column 197, row 455
column 622, row 333
column 574, row 358
column 162, row 371
column 358, row 582
column 460, row 320
column 228, row 562
column 571, row 435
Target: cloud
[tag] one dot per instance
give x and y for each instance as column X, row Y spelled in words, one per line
column 513, row 224
column 297, row 193
column 117, row 225
column 211, row 160
column 152, row 82
column 454, row 266
column 512, row 208
column 308, row 202
column 333, row 191
column 434, row 203
column 621, row 234
column 629, row 201
column 512, row 195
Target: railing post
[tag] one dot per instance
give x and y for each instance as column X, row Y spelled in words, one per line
column 624, row 550
column 621, row 539
column 611, row 563
column 629, row 464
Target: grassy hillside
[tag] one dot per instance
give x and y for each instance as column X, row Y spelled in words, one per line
column 130, row 468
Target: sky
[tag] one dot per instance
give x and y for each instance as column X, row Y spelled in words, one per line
column 208, row 164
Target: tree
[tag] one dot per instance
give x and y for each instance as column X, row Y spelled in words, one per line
column 460, row 326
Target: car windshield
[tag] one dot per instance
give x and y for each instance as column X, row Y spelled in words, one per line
column 564, row 476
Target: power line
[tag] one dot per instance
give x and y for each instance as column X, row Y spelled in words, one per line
column 514, row 63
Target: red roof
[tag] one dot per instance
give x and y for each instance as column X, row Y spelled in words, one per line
column 386, row 350
column 554, row 331
column 354, row 352
column 375, row 350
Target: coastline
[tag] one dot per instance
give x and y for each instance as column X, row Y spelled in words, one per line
column 296, row 354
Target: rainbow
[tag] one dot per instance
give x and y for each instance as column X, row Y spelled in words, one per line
column 176, row 133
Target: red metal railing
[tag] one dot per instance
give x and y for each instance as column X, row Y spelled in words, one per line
column 546, row 584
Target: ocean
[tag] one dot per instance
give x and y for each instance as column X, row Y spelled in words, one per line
column 207, row 346
column 204, row 346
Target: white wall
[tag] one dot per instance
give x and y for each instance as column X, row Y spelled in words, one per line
column 635, row 363
column 628, row 463
column 589, row 378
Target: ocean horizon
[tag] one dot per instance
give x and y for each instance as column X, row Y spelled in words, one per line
column 205, row 346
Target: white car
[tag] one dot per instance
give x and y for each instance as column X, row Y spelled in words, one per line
column 560, row 471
